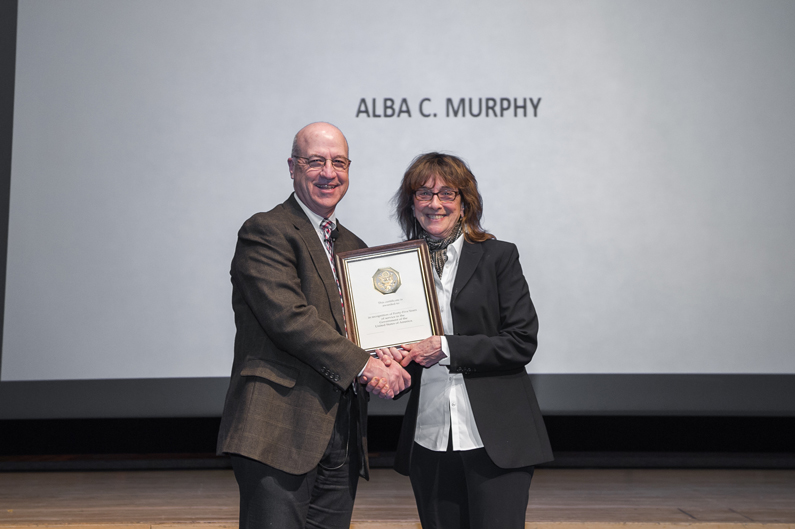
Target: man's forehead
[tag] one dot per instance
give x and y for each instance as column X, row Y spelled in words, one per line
column 322, row 148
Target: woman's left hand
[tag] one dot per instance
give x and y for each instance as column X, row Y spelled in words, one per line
column 426, row 353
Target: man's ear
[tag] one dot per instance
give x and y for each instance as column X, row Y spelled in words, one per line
column 290, row 163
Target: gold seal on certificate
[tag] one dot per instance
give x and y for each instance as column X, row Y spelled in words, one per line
column 389, row 295
column 386, row 280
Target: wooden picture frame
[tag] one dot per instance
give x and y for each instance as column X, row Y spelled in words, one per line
column 389, row 295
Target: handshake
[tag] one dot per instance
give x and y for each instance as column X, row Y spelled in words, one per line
column 383, row 376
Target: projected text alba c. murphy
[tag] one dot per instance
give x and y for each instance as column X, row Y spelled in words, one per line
column 462, row 107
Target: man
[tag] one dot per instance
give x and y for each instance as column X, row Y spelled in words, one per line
column 294, row 421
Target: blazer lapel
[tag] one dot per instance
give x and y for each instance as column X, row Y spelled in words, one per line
column 471, row 253
column 319, row 257
column 344, row 242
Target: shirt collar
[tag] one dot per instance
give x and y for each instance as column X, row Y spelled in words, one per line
column 314, row 218
column 456, row 246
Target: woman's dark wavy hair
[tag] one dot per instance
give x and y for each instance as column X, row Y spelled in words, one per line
column 456, row 174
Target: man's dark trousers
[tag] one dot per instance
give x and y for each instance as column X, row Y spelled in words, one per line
column 322, row 498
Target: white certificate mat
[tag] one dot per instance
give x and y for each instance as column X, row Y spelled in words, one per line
column 390, row 298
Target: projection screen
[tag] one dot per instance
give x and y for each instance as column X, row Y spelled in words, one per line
column 638, row 153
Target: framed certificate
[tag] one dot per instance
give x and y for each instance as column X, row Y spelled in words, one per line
column 389, row 295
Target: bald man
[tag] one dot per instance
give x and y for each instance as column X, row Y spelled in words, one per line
column 295, row 418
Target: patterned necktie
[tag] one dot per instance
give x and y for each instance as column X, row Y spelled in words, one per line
column 325, row 225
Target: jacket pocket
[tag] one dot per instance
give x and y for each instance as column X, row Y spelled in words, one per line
column 281, row 374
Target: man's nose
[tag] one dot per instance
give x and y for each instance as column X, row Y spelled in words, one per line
column 328, row 170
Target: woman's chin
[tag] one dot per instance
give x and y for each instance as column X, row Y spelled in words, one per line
column 438, row 234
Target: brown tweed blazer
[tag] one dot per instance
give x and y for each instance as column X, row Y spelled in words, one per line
column 292, row 360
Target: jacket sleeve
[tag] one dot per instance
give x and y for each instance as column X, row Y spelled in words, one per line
column 265, row 271
column 495, row 321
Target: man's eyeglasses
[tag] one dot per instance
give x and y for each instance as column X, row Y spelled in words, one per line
column 316, row 162
column 426, row 195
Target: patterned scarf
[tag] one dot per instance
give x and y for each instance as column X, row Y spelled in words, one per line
column 438, row 247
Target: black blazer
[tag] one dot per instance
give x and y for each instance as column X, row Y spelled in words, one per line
column 495, row 337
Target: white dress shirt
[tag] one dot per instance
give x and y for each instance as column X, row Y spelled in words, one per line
column 444, row 403
column 315, row 220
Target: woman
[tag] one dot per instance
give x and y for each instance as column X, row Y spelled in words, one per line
column 472, row 430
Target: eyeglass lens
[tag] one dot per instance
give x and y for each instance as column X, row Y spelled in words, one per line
column 445, row 195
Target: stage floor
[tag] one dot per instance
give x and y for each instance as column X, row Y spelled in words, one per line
column 559, row 498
